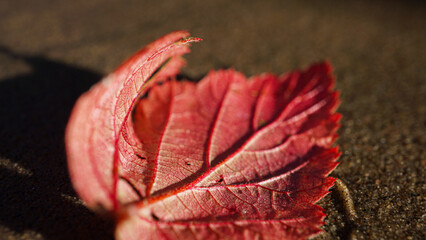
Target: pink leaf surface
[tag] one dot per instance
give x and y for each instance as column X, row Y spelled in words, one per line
column 225, row 158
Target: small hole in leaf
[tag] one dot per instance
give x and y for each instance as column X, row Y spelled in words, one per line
column 139, row 156
column 220, row 179
column 154, row 217
column 188, row 164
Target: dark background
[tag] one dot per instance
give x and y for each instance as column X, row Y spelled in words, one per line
column 52, row 51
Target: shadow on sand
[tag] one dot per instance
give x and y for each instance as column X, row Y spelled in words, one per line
column 36, row 193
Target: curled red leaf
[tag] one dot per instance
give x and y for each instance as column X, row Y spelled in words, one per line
column 226, row 158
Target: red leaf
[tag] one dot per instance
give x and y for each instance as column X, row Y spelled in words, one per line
column 226, row 158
